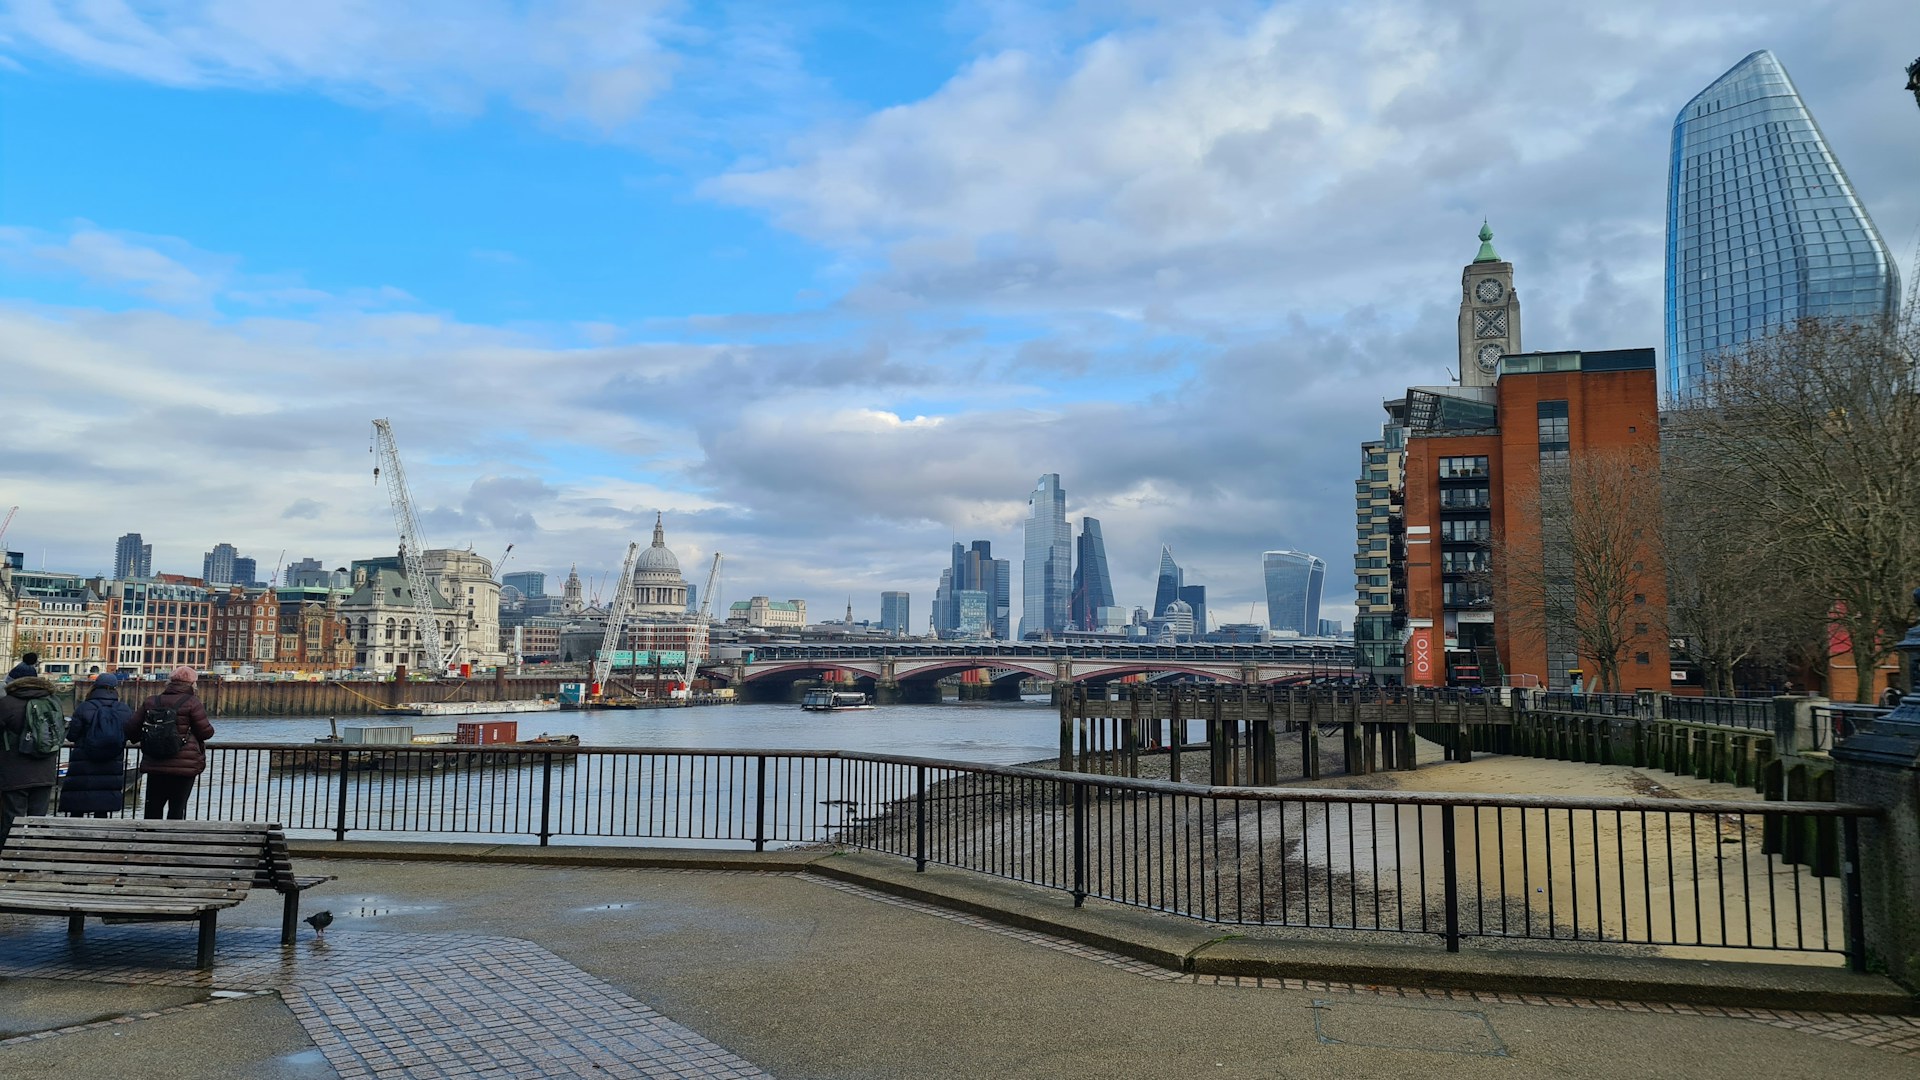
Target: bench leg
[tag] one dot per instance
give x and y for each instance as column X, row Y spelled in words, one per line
column 76, row 925
column 289, row 917
column 206, row 940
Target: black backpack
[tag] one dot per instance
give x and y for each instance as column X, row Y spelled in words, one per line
column 160, row 735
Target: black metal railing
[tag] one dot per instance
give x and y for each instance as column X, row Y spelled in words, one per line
column 1604, row 704
column 1632, row 871
column 1751, row 713
column 1837, row 720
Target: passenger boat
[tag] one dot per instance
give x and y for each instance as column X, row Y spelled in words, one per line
column 823, row 700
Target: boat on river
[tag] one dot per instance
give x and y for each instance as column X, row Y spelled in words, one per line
column 470, row 708
column 823, row 700
column 421, row 753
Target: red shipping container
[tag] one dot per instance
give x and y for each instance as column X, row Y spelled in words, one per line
column 483, row 732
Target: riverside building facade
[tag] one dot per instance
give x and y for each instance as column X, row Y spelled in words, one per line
column 1763, row 227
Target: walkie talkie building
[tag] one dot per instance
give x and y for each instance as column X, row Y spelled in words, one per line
column 1762, row 226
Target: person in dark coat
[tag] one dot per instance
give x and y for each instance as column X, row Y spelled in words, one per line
column 170, row 780
column 28, row 667
column 96, row 774
column 26, row 783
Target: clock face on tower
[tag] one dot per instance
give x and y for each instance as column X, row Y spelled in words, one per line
column 1489, row 358
column 1490, row 324
column 1488, row 291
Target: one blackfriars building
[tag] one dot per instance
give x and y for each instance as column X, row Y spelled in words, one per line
column 1092, row 585
column 1762, row 226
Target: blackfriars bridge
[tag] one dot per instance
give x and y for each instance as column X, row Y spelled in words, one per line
column 911, row 671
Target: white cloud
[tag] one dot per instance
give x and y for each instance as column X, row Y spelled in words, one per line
column 594, row 63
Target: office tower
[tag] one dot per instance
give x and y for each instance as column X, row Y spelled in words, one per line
column 246, row 571
column 131, row 558
column 1046, row 574
column 1330, row 628
column 308, row 573
column 216, row 567
column 693, row 599
column 974, row 569
column 894, row 614
column 1195, row 597
column 1762, row 226
column 1166, row 588
column 1092, row 587
column 531, row 584
column 1294, row 581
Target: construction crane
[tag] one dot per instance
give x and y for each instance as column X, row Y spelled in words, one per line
column 500, row 568
column 387, row 456
column 617, row 613
column 697, row 641
column 9, row 521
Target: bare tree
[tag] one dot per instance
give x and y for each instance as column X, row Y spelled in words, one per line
column 1588, row 579
column 1714, row 559
column 1815, row 432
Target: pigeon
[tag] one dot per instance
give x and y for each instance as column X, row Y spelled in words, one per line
column 320, row 920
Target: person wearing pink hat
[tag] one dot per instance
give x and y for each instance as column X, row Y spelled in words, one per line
column 171, row 729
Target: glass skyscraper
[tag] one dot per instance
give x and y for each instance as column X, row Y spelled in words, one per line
column 132, row 558
column 1294, row 581
column 1046, row 574
column 1166, row 586
column 1092, row 587
column 894, row 612
column 1762, row 226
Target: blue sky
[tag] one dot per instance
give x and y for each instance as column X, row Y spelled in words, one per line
column 828, row 284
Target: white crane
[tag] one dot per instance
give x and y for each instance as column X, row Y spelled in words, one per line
column 387, row 456
column 617, row 613
column 697, row 641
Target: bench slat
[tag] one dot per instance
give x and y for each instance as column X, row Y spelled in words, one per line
column 216, row 860
column 106, row 883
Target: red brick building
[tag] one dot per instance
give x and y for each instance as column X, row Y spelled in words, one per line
column 1473, row 470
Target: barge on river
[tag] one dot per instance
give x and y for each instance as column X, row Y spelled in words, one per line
column 822, row 700
column 395, row 748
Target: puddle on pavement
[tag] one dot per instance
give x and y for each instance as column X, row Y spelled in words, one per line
column 302, row 1063
column 373, row 907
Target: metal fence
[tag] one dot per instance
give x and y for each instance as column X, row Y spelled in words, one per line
column 1836, row 720
column 1635, row 871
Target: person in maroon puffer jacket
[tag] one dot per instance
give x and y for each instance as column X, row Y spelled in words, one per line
column 170, row 780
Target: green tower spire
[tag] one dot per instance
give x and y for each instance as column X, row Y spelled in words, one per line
column 1486, row 245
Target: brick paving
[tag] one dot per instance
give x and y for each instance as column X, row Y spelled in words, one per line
column 1897, row 1034
column 385, row 1006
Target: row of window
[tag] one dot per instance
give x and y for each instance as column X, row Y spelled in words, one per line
column 1469, row 466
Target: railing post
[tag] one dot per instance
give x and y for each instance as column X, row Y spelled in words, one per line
column 1450, row 877
column 1856, row 904
column 340, row 804
column 919, row 819
column 760, row 803
column 546, row 797
column 1079, row 843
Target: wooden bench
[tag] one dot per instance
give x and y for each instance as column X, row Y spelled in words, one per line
column 130, row 868
column 275, row 871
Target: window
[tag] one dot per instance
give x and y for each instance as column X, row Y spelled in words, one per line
column 1463, row 498
column 1642, row 658
column 1554, row 437
column 1458, row 594
column 1453, row 467
column 1640, row 598
column 1466, row 530
column 1465, row 562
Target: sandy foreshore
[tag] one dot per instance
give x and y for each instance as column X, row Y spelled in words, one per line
column 1691, row 884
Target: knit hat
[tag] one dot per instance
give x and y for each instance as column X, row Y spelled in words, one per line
column 111, row 678
column 184, row 674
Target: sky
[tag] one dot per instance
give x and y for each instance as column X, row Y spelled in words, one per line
column 828, row 285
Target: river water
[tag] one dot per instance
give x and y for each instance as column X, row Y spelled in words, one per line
column 987, row 732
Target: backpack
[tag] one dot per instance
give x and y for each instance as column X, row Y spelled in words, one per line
column 97, row 729
column 160, row 735
column 42, row 731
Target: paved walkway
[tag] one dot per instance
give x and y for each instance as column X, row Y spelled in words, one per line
column 504, row 970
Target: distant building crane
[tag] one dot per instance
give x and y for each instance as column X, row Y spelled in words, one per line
column 4, row 524
column 617, row 613
column 387, row 456
column 697, row 641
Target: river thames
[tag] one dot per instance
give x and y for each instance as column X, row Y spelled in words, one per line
column 992, row 733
